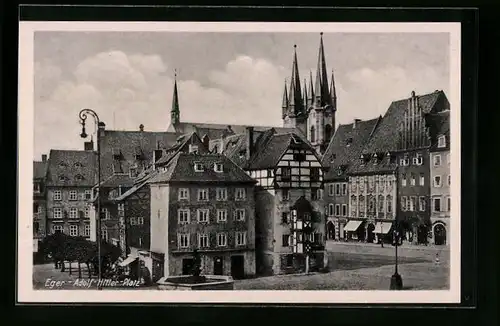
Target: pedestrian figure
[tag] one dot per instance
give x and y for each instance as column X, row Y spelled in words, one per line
column 436, row 260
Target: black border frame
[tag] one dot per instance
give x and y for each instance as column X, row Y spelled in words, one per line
column 469, row 115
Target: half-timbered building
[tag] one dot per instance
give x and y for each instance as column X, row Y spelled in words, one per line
column 288, row 174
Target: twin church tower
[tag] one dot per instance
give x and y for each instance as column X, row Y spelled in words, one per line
column 312, row 110
column 309, row 107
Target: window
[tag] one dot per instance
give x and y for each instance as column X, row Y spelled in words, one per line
column 57, row 212
column 315, row 194
column 448, row 202
column 183, row 194
column 330, row 209
column 299, row 157
column 284, row 217
column 73, row 195
column 221, row 239
column 405, row 161
column 313, row 134
column 442, row 141
column 132, row 172
column 241, row 194
column 239, row 214
column 344, row 189
column 344, row 210
column 286, row 194
column 133, row 221
column 203, row 240
column 449, row 179
column 140, row 220
column 314, row 174
column 418, row 160
column 57, row 195
column 412, row 179
column 183, row 240
column 286, row 173
column 337, row 189
column 35, row 208
column 285, row 240
column 241, row 238
column 421, row 203
column 422, row 179
column 73, row 212
column 413, row 203
column 330, row 189
column 57, row 228
column 380, row 204
column 337, row 210
column 218, row 167
column 289, row 260
column 403, row 180
column 62, row 178
column 73, row 230
column 389, row 204
column 317, row 238
column 403, row 203
column 88, row 194
column 437, row 204
column 104, row 234
column 221, row 194
column 269, row 173
column 104, row 213
column 183, row 216
column 36, row 187
column 437, row 160
column 198, row 167
column 221, row 215
column 202, row 215
column 202, row 194
column 86, row 230
column 437, row 181
column 121, row 209
column 448, row 158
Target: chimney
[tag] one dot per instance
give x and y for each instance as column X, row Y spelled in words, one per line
column 101, row 128
column 206, row 142
column 141, row 127
column 249, row 142
column 44, row 157
column 412, row 93
column 88, row 146
column 355, row 124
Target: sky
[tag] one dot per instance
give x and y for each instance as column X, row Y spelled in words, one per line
column 226, row 78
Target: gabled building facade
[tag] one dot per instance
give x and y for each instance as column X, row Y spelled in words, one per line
column 39, row 198
column 203, row 202
column 440, row 178
column 289, row 210
column 70, row 178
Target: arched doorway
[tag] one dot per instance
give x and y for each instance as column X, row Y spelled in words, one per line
column 360, row 232
column 422, row 234
column 330, row 228
column 370, row 236
column 439, row 234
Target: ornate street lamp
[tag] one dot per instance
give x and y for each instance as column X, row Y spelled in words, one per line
column 396, row 280
column 83, row 117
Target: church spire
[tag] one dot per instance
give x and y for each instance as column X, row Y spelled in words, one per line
column 175, row 111
column 333, row 91
column 311, row 88
column 305, row 95
column 295, row 94
column 284, row 104
column 321, row 88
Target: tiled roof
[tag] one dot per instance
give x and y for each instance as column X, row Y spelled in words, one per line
column 172, row 151
column 128, row 144
column 39, row 169
column 118, row 180
column 269, row 151
column 346, row 146
column 383, row 165
column 71, row 168
column 215, row 131
column 385, row 138
column 181, row 169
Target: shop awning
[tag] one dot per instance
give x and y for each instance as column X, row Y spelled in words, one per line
column 128, row 260
column 382, row 227
column 352, row 226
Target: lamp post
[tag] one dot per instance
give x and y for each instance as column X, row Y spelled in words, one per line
column 396, row 280
column 83, row 117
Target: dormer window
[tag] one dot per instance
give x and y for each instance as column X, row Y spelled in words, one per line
column 78, row 165
column 36, row 187
column 405, row 161
column 62, row 178
column 62, row 164
column 218, row 167
column 117, row 155
column 198, row 167
column 348, row 141
column 79, row 177
column 133, row 172
column 138, row 154
column 442, row 141
column 193, row 149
